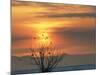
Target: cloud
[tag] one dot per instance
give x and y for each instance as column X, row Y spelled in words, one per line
column 69, row 15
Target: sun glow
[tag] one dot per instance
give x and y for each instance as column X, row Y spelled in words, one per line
column 43, row 38
column 36, row 24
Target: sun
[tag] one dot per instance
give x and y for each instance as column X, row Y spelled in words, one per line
column 43, row 38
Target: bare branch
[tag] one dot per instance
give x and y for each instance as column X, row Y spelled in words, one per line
column 46, row 57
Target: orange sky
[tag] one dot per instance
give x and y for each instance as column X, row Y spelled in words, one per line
column 31, row 18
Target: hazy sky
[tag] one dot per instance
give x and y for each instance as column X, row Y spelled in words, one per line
column 70, row 27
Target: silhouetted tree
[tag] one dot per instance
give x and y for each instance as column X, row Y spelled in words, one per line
column 46, row 57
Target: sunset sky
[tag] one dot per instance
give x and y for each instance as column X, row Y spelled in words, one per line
column 70, row 27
